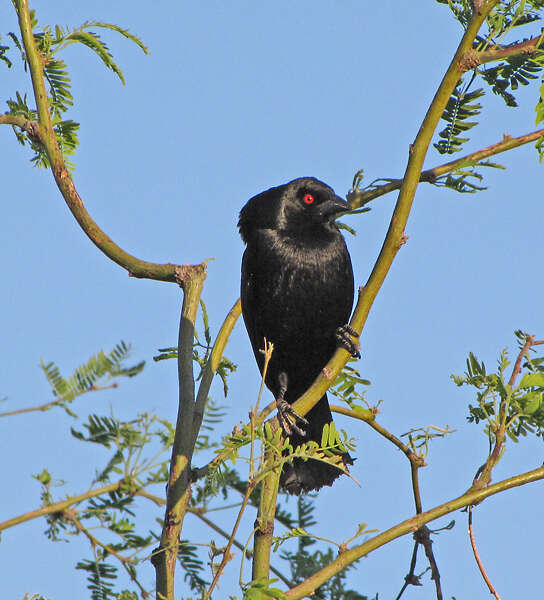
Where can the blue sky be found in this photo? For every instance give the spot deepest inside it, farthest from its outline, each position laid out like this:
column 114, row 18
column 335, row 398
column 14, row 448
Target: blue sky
column 233, row 99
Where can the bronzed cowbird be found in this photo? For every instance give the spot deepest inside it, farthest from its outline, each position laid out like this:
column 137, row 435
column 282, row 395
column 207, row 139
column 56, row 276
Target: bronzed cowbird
column 297, row 292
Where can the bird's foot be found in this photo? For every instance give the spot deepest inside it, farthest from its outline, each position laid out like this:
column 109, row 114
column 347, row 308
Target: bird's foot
column 288, row 418
column 344, row 340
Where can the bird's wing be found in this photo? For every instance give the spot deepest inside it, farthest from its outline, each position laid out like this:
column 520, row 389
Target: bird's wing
column 250, row 302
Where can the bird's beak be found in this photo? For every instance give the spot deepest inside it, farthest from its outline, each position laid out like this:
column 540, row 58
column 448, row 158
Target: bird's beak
column 333, row 208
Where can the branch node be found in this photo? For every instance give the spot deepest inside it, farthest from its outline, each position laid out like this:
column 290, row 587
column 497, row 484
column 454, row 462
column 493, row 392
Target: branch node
column 470, row 60
column 184, row 273
column 327, row 372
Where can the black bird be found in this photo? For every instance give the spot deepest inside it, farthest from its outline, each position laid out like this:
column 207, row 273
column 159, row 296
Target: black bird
column 297, row 292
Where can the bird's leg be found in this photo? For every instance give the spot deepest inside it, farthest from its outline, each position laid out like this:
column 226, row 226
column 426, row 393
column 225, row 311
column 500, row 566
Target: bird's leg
column 285, row 411
column 344, row 340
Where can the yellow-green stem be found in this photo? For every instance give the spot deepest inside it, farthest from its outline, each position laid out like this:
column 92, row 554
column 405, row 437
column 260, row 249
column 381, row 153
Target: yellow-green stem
column 409, row 526
column 395, row 234
column 265, row 523
column 60, row 506
column 179, row 483
column 212, row 365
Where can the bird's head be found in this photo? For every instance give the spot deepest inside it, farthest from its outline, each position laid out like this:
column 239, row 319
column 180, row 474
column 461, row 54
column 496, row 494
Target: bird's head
column 302, row 204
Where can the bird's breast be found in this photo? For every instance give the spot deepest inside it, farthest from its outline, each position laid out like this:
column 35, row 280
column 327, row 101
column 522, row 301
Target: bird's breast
column 304, row 289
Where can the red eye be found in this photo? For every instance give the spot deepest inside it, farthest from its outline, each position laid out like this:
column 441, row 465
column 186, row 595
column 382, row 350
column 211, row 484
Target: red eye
column 308, row 199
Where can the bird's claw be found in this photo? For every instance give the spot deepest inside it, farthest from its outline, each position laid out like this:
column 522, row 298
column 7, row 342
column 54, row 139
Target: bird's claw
column 288, row 419
column 344, row 340
column 287, row 416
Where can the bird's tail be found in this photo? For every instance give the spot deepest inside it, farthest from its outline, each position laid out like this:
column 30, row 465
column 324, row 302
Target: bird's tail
column 307, row 475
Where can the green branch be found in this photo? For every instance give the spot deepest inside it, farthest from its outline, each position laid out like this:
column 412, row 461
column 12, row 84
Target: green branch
column 264, row 533
column 59, row 402
column 264, row 525
column 179, row 482
column 483, row 475
column 369, row 417
column 60, row 506
column 527, row 48
column 358, row 198
column 135, row 267
column 212, row 365
column 31, row 127
column 409, row 526
column 395, row 234
column 227, row 556
column 127, row 563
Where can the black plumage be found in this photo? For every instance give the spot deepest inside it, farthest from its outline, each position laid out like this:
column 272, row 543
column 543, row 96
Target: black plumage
column 297, row 291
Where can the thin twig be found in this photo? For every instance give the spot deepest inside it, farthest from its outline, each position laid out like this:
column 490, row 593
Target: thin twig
column 483, row 474
column 236, row 543
column 411, row 578
column 369, row 417
column 267, row 351
column 58, row 507
column 422, row 536
column 71, row 515
column 527, row 48
column 212, row 365
column 530, row 341
column 59, row 402
column 477, row 556
column 226, row 553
